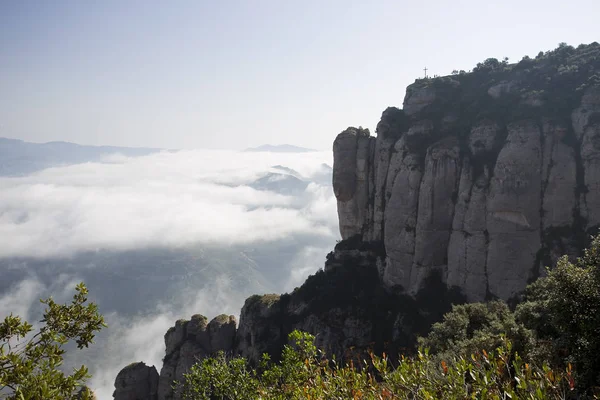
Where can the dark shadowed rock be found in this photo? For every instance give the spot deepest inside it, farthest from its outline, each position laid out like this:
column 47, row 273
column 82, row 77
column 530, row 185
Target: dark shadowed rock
column 190, row 341
column 137, row 381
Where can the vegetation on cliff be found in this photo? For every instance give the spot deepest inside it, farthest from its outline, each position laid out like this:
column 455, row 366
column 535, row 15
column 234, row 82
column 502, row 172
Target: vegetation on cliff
column 558, row 322
column 549, row 85
column 545, row 349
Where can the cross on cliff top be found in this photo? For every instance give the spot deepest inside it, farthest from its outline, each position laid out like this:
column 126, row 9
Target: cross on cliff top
column 425, row 69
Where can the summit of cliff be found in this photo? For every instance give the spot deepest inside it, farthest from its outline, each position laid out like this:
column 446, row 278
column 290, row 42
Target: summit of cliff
column 484, row 177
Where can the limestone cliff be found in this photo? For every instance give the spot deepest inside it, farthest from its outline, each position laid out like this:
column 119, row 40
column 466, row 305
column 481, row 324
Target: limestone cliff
column 137, row 381
column 465, row 193
column 483, row 177
column 186, row 343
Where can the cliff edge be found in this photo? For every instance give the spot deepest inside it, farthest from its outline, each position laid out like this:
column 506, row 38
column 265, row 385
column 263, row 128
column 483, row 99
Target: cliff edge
column 465, row 194
column 484, row 177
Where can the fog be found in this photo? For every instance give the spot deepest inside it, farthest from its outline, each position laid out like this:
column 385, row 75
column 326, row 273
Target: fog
column 161, row 237
column 168, row 199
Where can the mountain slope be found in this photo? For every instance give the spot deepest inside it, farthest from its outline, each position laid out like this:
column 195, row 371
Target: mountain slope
column 19, row 158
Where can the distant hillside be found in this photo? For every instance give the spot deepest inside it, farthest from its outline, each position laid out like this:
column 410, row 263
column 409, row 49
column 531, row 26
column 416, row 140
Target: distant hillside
column 21, row 158
column 280, row 148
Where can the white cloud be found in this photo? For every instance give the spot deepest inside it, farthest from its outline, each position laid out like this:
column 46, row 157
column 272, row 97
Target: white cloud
column 23, row 299
column 306, row 262
column 20, row 299
column 167, row 199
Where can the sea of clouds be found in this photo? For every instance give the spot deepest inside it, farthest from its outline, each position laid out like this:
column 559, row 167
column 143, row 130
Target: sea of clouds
column 167, row 200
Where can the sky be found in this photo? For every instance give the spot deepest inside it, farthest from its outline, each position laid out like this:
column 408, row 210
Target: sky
column 233, row 74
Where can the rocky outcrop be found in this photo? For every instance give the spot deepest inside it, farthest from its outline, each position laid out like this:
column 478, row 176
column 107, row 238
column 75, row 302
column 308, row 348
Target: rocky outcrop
column 344, row 306
column 190, row 341
column 186, row 343
column 463, row 195
column 257, row 334
column 485, row 179
column 351, row 178
column 137, row 381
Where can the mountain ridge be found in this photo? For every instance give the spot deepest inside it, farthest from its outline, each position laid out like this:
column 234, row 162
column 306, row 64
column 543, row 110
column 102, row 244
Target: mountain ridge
column 19, row 158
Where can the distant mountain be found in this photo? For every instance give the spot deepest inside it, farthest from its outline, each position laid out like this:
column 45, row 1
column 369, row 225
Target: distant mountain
column 289, row 182
column 286, row 170
column 280, row 148
column 21, row 158
column 280, row 183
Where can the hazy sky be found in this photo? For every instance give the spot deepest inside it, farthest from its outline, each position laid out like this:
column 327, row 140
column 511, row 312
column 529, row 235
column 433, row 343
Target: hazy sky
column 233, row 74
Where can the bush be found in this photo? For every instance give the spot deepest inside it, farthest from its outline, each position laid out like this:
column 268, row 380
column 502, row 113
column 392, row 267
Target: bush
column 304, row 373
column 29, row 364
column 470, row 328
column 563, row 311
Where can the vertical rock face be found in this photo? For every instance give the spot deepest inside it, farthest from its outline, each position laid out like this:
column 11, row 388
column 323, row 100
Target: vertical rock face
column 255, row 335
column 353, row 158
column 136, row 382
column 435, row 210
column 186, row 343
column 189, row 341
column 513, row 211
column 586, row 123
column 482, row 178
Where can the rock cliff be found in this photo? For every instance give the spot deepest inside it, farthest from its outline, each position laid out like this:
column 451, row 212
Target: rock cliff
column 137, row 381
column 186, row 343
column 465, row 194
column 483, row 177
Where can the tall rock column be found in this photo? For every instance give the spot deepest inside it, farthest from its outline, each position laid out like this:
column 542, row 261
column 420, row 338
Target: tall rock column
column 513, row 211
column 400, row 216
column 436, row 209
column 391, row 127
column 467, row 250
column 352, row 160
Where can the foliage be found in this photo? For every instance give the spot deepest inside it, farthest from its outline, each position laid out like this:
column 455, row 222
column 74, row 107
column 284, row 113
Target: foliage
column 303, row 373
column 30, row 364
column 491, row 65
column 563, row 310
column 469, row 328
column 558, row 323
column 219, row 378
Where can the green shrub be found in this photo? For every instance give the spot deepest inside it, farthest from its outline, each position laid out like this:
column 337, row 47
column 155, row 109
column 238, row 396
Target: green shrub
column 563, row 311
column 303, row 373
column 30, row 363
column 470, row 328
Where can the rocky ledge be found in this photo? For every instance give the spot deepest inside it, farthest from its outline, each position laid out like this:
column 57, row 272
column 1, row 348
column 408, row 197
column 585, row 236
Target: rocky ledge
column 483, row 177
column 464, row 195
